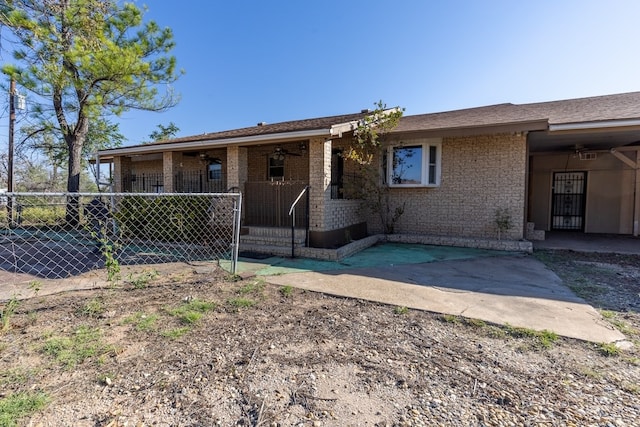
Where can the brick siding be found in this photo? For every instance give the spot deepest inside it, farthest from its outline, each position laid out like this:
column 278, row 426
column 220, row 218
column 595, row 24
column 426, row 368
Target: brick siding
column 479, row 175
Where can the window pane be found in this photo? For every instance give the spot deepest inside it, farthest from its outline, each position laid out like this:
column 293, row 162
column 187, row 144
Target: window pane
column 276, row 168
column 432, row 164
column 407, row 165
column 215, row 171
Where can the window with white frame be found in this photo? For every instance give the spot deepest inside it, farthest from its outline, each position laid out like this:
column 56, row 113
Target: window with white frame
column 414, row 164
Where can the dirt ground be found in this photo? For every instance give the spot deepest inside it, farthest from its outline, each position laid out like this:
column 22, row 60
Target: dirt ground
column 188, row 349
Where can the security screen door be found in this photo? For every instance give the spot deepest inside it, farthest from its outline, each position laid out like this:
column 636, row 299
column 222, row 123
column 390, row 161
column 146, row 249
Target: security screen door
column 568, row 203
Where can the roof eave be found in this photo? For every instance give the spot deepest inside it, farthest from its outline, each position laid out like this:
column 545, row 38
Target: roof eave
column 525, row 126
column 208, row 143
column 594, row 125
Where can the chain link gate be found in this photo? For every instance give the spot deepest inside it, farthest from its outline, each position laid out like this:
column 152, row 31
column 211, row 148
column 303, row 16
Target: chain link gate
column 59, row 235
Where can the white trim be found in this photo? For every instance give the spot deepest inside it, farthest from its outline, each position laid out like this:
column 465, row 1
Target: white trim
column 339, row 129
column 593, row 125
column 426, row 145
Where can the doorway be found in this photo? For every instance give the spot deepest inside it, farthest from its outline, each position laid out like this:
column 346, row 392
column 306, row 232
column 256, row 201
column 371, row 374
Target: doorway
column 568, row 201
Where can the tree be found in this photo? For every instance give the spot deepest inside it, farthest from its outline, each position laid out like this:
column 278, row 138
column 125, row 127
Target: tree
column 367, row 151
column 102, row 134
column 89, row 59
column 164, row 132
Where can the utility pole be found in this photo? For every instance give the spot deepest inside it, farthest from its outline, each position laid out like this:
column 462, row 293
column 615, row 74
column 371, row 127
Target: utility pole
column 12, row 119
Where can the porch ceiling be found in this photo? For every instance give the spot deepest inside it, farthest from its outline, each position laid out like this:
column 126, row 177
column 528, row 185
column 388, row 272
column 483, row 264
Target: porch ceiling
column 598, row 139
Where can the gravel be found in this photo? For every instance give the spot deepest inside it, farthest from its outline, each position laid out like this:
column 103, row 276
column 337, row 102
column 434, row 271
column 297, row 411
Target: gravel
column 307, row 359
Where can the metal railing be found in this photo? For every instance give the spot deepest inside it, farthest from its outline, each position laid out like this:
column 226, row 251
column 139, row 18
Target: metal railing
column 59, row 235
column 292, row 214
column 267, row 203
column 197, row 181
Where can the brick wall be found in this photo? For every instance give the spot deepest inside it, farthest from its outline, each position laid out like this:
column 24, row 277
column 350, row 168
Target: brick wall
column 479, row 175
column 296, row 164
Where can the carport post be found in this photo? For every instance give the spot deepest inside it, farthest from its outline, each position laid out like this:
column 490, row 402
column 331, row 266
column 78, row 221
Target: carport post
column 636, row 210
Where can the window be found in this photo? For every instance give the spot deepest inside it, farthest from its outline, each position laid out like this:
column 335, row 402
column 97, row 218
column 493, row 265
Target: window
column 337, row 172
column 276, row 167
column 414, row 165
column 215, row 170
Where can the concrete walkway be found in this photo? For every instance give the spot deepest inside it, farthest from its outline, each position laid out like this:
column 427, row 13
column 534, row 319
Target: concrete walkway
column 492, row 286
column 516, row 290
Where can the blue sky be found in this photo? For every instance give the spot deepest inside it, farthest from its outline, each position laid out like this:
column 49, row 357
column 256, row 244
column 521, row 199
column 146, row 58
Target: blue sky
column 252, row 61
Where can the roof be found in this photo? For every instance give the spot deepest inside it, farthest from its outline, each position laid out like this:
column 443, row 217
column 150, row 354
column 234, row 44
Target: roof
column 620, row 109
column 490, row 116
column 625, row 106
column 270, row 129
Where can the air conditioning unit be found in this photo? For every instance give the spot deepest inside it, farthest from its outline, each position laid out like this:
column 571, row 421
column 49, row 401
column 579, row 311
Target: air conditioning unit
column 588, row 155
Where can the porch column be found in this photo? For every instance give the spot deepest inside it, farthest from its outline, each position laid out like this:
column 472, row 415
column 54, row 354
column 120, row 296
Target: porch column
column 237, row 166
column 121, row 165
column 319, row 181
column 636, row 187
column 170, row 162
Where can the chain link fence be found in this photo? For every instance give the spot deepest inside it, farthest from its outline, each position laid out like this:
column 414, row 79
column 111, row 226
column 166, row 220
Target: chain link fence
column 59, row 235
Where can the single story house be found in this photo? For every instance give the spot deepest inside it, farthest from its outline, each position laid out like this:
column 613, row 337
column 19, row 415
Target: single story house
column 560, row 165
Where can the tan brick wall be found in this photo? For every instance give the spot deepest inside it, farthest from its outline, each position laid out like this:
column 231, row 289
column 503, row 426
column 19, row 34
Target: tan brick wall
column 479, row 175
column 296, row 164
column 341, row 213
column 235, row 163
column 319, row 180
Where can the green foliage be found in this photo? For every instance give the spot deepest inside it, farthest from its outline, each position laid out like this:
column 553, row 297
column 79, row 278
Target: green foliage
column 164, row 132
column 83, row 344
column 286, row 291
column 7, row 312
column 91, row 59
column 142, row 321
column 476, row 322
column 255, row 286
column 35, row 286
column 609, row 349
column 241, row 302
column 503, row 221
column 370, row 133
column 612, row 317
column 19, row 405
column 175, row 333
column 42, row 215
column 451, row 318
column 93, row 308
column 15, row 376
column 367, row 152
column 141, row 280
column 192, row 311
column 544, row 338
column 166, row 218
column 400, row 310
column 108, row 251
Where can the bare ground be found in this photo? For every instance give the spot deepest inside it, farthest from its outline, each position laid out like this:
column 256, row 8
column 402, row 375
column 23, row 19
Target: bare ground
column 256, row 354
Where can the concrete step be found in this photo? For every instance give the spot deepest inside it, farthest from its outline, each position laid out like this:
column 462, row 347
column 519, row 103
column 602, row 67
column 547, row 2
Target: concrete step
column 271, row 240
column 266, row 249
column 532, row 233
column 271, row 231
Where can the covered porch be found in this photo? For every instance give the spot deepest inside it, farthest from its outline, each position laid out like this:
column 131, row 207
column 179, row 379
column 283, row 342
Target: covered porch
column 585, row 179
column 271, row 176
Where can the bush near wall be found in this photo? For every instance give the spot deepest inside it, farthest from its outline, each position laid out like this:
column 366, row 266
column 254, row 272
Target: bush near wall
column 166, row 219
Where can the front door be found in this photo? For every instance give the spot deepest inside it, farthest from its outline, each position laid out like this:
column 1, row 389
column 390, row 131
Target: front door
column 568, row 203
